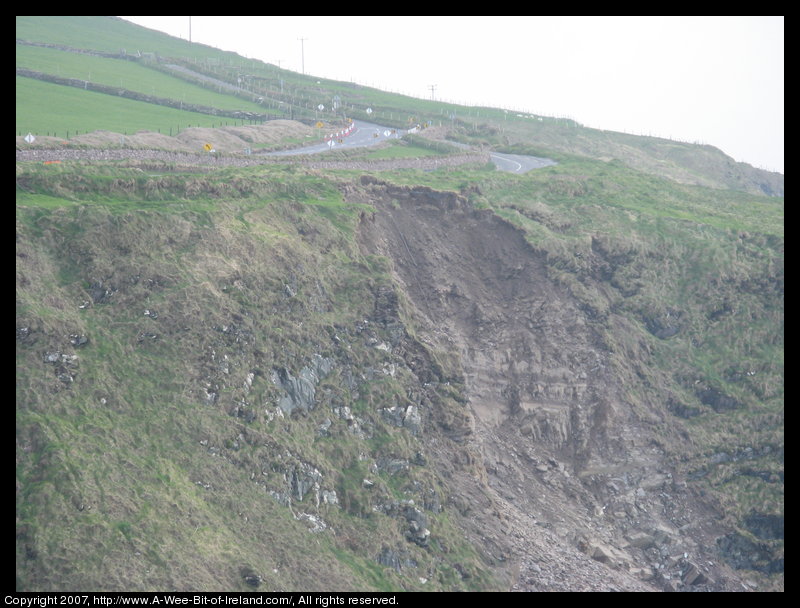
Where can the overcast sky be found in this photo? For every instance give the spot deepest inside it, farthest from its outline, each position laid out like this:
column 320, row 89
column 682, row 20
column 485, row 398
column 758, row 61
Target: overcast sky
column 712, row 80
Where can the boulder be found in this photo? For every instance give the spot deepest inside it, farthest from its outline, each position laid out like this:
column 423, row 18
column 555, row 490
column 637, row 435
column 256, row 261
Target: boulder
column 606, row 554
column 641, row 540
column 301, row 389
column 693, row 576
column 250, row 576
column 417, row 532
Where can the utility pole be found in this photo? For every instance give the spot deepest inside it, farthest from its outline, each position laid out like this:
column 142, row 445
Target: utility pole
column 303, row 53
column 190, row 29
column 432, row 88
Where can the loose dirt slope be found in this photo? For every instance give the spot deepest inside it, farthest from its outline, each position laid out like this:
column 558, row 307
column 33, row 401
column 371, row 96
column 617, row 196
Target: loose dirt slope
column 571, row 472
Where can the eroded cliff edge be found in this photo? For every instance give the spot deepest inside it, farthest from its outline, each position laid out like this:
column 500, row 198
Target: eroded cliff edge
column 578, row 473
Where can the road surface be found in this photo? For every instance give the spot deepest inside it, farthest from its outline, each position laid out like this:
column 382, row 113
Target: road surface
column 517, row 163
column 370, row 134
column 513, row 163
column 364, row 134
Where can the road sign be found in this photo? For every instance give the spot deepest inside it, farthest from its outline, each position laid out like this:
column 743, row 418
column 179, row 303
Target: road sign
column 320, row 107
column 208, row 147
column 30, row 138
column 319, row 125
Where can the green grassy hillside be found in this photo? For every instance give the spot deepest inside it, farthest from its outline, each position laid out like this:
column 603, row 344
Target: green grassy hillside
column 219, row 386
column 159, row 441
column 57, row 111
column 283, row 93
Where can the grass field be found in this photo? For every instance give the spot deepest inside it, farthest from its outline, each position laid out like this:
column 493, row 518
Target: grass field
column 50, row 109
column 126, row 75
column 109, row 35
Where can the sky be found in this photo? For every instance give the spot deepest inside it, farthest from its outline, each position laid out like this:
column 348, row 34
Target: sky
column 710, row 80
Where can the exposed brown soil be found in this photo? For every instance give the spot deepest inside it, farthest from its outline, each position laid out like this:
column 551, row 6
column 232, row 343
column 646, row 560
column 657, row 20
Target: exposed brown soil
column 571, row 488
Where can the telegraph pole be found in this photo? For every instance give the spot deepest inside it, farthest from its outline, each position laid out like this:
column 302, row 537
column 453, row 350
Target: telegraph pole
column 303, row 53
column 190, row 29
column 432, row 88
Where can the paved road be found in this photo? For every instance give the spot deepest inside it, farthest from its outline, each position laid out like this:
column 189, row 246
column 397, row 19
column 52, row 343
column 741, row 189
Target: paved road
column 364, row 134
column 513, row 163
column 517, row 163
column 369, row 134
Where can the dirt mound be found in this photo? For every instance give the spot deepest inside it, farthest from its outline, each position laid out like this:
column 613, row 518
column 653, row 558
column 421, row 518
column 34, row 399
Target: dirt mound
column 237, row 139
column 273, row 132
column 140, row 140
column 42, row 141
column 199, row 138
column 194, row 139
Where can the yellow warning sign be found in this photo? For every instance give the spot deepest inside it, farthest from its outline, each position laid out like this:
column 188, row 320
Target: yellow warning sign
column 319, row 125
column 208, row 147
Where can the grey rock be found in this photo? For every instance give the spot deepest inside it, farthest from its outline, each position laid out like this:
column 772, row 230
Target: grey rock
column 693, row 576
column 405, row 417
column 323, row 428
column 250, row 576
column 329, row 497
column 78, row 340
column 641, row 540
column 282, row 498
column 417, row 532
column 412, row 419
column 98, row 292
column 719, row 402
column 393, row 415
column 393, row 466
column 304, row 479
column 52, row 357
column 314, row 522
column 301, row 389
column 397, row 559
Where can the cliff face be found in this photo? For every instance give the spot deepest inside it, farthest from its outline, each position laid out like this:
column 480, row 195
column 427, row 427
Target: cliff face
column 575, row 469
column 235, row 373
column 289, row 383
column 226, row 397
